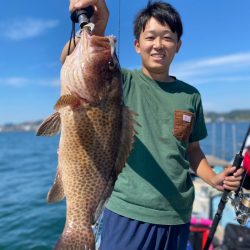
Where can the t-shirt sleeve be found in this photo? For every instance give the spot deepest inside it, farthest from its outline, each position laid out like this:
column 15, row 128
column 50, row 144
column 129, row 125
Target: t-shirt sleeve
column 199, row 131
column 126, row 80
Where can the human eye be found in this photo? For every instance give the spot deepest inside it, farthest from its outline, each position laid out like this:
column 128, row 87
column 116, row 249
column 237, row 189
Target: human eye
column 149, row 38
column 168, row 38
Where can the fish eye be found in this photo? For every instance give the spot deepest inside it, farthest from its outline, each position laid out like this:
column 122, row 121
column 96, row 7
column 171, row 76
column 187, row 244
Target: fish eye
column 111, row 65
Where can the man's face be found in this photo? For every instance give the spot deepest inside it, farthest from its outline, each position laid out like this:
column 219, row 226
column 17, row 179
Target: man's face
column 157, row 45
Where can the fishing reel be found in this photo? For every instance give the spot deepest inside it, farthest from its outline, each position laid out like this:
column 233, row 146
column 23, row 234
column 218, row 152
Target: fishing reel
column 241, row 204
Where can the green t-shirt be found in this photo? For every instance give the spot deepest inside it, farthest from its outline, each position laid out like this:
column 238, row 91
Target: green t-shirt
column 155, row 185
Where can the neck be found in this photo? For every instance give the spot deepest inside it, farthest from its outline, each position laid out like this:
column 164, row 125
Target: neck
column 158, row 76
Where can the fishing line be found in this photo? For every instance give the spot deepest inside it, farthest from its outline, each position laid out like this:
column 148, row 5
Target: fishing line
column 72, row 36
column 119, row 28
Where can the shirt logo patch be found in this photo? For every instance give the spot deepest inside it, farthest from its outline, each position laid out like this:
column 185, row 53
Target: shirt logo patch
column 187, row 118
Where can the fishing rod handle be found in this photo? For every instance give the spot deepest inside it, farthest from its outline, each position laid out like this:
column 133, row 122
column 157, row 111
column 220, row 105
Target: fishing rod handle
column 237, row 161
column 82, row 16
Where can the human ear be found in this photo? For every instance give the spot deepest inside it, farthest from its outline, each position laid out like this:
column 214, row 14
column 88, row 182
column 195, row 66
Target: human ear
column 137, row 46
column 178, row 46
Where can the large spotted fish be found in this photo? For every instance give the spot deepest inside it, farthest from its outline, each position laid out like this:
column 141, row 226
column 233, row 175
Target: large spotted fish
column 96, row 136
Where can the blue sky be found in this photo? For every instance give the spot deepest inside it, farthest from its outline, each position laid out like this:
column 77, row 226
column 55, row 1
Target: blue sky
column 215, row 54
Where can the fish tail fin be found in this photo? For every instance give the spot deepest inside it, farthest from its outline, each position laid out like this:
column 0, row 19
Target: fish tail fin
column 76, row 240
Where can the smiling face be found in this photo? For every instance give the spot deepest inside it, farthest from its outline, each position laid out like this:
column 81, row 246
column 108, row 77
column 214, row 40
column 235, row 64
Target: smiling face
column 157, row 45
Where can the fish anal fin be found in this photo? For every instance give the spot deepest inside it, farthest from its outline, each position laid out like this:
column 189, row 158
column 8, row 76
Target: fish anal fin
column 67, row 100
column 56, row 193
column 127, row 138
column 50, row 126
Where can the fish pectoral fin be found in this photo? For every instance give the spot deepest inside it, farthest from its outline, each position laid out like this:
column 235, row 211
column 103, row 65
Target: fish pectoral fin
column 56, row 193
column 67, row 100
column 127, row 138
column 50, row 126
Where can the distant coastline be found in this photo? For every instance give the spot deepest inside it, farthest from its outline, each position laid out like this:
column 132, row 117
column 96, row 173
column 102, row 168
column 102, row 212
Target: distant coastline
column 232, row 116
column 24, row 126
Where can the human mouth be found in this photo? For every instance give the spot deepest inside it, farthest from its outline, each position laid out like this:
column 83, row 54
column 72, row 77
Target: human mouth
column 158, row 55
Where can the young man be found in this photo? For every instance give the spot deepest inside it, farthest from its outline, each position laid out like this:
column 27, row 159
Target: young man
column 151, row 204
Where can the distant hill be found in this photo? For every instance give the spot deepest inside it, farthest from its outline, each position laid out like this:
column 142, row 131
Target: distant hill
column 234, row 115
column 24, row 126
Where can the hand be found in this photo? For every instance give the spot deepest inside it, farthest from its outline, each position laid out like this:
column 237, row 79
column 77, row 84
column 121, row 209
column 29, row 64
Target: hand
column 100, row 16
column 80, row 4
column 224, row 180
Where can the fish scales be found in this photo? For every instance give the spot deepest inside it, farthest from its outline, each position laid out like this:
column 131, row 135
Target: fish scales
column 96, row 136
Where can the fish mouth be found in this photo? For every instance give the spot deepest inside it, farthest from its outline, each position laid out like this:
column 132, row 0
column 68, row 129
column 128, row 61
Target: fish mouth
column 96, row 44
column 97, row 55
column 85, row 39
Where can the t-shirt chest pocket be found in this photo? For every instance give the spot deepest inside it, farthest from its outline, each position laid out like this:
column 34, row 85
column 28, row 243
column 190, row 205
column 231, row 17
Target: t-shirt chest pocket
column 183, row 124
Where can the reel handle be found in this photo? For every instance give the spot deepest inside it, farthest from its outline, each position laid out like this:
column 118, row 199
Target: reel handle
column 82, row 16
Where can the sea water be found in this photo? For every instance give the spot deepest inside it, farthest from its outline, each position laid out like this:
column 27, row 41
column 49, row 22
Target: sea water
column 27, row 169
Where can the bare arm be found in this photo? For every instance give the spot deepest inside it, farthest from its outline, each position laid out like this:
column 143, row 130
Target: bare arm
column 200, row 166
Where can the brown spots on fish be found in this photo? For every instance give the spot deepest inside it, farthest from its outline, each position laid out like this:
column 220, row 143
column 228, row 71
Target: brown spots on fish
column 96, row 137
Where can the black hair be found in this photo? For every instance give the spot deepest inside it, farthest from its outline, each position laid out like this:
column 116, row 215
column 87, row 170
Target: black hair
column 163, row 13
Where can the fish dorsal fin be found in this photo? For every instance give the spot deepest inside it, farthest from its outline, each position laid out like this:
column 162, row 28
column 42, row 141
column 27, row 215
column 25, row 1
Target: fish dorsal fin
column 50, row 126
column 127, row 138
column 67, row 100
column 56, row 193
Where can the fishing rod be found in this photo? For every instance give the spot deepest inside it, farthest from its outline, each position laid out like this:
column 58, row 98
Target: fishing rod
column 240, row 202
column 82, row 16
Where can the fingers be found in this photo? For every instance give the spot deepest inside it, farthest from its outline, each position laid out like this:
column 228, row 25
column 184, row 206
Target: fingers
column 231, row 170
column 80, row 4
column 232, row 178
column 239, row 172
column 232, row 184
column 220, row 188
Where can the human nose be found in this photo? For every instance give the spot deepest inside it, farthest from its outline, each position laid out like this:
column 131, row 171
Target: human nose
column 158, row 43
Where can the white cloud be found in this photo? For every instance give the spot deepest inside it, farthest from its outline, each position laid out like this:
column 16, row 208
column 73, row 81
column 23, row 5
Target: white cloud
column 228, row 68
column 218, row 61
column 16, row 81
column 26, row 28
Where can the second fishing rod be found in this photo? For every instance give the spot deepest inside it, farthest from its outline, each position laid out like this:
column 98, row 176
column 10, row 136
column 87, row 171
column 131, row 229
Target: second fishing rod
column 241, row 201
